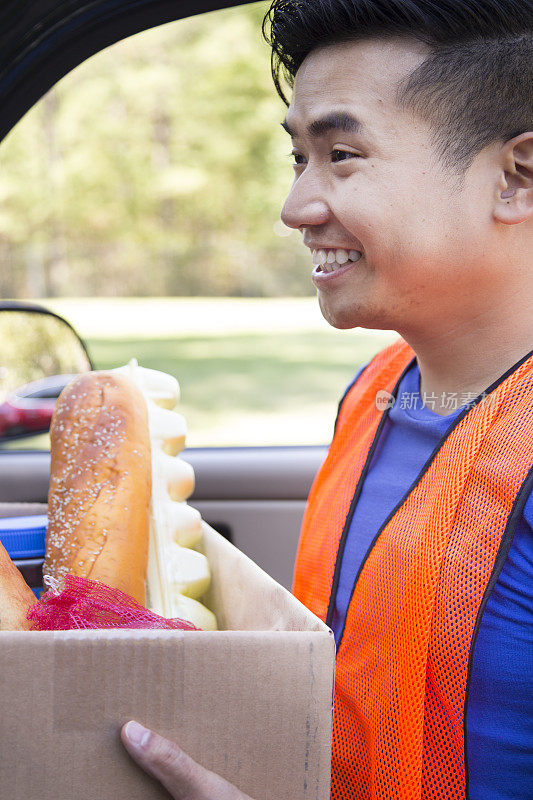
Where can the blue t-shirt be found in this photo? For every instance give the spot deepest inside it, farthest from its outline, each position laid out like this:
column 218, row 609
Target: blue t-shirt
column 499, row 713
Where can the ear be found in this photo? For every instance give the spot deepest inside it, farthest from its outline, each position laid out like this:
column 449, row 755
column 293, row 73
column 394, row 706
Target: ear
column 514, row 201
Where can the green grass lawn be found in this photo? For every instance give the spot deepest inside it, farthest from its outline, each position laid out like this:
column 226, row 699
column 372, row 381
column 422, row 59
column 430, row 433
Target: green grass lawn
column 254, row 389
column 251, row 371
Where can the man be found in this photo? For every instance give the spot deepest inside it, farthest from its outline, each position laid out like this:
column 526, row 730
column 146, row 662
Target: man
column 412, row 128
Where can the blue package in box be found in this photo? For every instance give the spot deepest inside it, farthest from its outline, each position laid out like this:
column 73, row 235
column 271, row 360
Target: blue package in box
column 23, row 537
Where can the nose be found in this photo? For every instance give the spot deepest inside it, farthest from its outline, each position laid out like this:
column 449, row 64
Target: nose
column 305, row 205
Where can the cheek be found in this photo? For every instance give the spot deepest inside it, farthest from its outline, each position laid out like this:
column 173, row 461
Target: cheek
column 425, row 231
column 379, row 211
column 402, row 217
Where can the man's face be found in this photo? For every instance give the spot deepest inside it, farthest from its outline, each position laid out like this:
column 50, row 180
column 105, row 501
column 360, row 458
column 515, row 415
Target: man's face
column 427, row 243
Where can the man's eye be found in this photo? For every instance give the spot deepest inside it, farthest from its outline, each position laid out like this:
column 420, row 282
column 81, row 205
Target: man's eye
column 336, row 156
column 298, row 159
column 342, row 155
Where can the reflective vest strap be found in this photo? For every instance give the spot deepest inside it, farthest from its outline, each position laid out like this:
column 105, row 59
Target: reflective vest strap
column 335, row 484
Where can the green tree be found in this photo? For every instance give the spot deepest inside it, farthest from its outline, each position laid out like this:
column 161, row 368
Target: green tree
column 156, row 167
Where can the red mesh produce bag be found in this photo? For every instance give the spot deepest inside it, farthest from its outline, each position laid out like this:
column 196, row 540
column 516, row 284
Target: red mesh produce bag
column 88, row 604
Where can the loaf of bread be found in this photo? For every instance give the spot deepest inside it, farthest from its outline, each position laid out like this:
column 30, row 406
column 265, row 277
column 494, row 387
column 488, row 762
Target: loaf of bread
column 16, row 597
column 100, row 484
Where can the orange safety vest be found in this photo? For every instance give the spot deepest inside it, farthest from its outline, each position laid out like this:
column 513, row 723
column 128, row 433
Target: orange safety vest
column 403, row 661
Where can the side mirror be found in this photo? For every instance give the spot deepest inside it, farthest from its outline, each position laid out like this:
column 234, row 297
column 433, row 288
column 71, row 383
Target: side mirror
column 40, row 352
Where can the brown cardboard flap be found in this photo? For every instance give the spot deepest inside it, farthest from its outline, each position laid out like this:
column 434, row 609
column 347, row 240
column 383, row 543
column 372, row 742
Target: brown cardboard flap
column 245, row 598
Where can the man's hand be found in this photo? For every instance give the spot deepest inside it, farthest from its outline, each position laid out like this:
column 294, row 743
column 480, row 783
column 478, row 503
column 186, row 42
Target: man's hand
column 174, row 769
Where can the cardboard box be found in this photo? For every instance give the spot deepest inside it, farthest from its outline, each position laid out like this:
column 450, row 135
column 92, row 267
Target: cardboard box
column 252, row 701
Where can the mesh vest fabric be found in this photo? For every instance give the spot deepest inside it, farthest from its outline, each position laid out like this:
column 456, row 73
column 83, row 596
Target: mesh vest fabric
column 402, row 664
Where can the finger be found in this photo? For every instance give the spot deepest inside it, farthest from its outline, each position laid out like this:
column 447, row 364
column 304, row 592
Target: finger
column 173, row 768
column 163, row 760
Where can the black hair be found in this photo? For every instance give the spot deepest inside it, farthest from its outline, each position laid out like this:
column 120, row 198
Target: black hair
column 474, row 88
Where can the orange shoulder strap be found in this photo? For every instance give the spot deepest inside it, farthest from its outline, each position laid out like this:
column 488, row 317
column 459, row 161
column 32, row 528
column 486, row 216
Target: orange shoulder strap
column 333, row 490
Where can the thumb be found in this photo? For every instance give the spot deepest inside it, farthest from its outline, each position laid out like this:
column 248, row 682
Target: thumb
column 173, row 768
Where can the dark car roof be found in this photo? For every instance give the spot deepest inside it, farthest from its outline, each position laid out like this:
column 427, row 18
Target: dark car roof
column 43, row 40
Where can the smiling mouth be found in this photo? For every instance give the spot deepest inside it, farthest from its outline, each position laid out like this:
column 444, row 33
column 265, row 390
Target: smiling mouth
column 332, row 260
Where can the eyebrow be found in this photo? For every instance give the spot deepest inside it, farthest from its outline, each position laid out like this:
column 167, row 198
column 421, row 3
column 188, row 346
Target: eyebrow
column 334, row 121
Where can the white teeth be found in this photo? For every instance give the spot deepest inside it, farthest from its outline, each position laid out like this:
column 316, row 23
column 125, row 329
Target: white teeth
column 330, row 260
column 341, row 257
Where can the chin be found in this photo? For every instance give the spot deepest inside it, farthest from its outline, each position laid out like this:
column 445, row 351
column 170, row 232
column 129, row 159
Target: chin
column 342, row 325
column 345, row 318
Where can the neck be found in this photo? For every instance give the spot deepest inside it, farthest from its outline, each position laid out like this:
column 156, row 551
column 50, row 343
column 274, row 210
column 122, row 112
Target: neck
column 466, row 359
